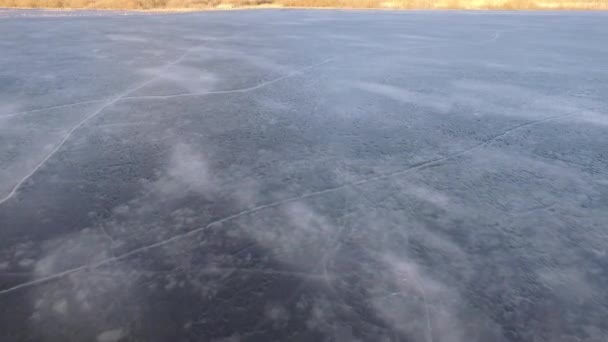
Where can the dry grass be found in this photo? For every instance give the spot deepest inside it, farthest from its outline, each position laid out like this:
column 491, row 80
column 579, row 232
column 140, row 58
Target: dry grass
column 397, row 4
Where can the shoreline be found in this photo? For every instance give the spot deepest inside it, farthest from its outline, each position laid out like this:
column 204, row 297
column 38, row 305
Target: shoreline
column 162, row 10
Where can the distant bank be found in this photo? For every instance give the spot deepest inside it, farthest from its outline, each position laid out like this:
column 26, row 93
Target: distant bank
column 378, row 4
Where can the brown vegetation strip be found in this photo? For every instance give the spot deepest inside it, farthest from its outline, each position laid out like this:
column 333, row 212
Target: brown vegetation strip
column 386, row 4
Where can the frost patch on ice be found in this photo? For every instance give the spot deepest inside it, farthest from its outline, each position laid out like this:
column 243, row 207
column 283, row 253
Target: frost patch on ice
column 110, row 335
column 67, row 252
column 594, row 117
column 277, row 314
column 231, row 338
column 8, row 108
column 129, row 38
column 188, row 170
column 569, row 284
column 404, row 95
column 61, row 307
column 428, row 195
column 27, row 262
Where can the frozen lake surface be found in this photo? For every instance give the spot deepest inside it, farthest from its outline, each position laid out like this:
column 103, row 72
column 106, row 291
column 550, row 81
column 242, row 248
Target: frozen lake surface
column 291, row 175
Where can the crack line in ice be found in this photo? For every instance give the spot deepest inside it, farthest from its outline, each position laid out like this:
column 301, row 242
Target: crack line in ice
column 239, row 90
column 493, row 39
column 263, row 84
column 69, row 134
column 125, row 96
column 52, row 107
column 416, row 167
column 490, row 40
